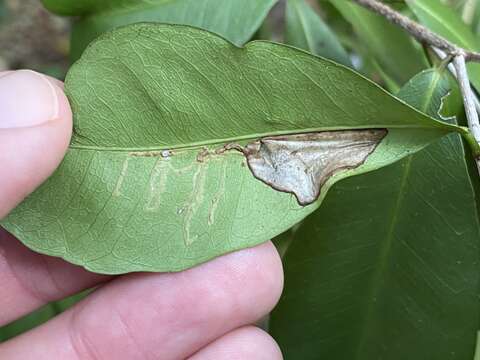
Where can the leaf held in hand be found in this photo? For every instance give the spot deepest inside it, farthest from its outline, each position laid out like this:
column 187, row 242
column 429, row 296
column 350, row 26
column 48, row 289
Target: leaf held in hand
column 144, row 186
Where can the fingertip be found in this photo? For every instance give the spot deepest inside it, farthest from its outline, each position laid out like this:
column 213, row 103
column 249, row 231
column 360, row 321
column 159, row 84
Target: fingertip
column 244, row 343
column 260, row 266
column 35, row 130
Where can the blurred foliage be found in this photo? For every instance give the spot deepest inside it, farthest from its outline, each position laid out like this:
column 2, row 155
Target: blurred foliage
column 3, row 10
column 307, row 30
column 33, row 38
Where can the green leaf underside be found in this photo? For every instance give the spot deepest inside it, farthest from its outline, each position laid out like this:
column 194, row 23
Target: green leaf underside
column 389, row 263
column 235, row 20
column 117, row 205
column 389, row 45
column 444, row 21
column 306, row 30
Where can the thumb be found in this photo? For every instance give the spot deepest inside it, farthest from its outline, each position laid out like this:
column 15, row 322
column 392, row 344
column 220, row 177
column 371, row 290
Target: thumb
column 35, row 130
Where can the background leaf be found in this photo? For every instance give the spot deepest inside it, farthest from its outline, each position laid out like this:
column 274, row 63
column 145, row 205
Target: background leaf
column 306, row 30
column 235, row 20
column 392, row 48
column 144, row 187
column 38, row 317
column 388, row 267
column 3, row 11
column 444, row 21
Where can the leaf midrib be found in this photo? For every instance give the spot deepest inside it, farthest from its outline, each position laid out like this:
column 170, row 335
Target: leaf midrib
column 384, row 255
column 245, row 138
column 386, row 249
column 435, row 80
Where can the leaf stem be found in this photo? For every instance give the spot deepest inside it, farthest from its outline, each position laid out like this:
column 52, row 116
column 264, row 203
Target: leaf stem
column 473, row 137
column 468, row 97
column 441, row 54
column 419, row 32
column 473, row 144
column 460, row 57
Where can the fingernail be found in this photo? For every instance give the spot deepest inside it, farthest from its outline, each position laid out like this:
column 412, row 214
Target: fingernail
column 27, row 99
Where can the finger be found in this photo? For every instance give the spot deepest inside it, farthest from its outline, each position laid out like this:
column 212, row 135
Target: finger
column 35, row 129
column 29, row 280
column 57, row 82
column 245, row 343
column 160, row 316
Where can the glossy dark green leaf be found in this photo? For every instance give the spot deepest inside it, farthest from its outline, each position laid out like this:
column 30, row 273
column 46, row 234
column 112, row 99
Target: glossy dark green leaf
column 388, row 267
column 391, row 47
column 153, row 179
column 446, row 22
column 306, row 30
column 235, row 20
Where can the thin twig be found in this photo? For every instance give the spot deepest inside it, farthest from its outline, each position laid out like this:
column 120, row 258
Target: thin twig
column 460, row 56
column 468, row 99
column 441, row 54
column 419, row 32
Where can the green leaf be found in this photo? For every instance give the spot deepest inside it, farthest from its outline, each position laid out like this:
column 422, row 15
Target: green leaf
column 153, row 180
column 388, row 267
column 3, row 10
column 392, row 48
column 39, row 317
column 235, row 20
column 306, row 30
column 442, row 20
column 27, row 323
column 82, row 7
column 476, row 21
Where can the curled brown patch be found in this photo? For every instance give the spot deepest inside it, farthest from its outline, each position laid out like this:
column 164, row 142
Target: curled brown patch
column 301, row 164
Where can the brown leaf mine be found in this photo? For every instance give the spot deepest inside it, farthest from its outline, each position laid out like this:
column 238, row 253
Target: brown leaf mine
column 301, row 164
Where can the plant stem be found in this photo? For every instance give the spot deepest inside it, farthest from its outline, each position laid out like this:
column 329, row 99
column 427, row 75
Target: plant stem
column 452, row 70
column 474, row 146
column 419, row 32
column 468, row 101
column 460, row 57
column 467, row 94
column 466, row 133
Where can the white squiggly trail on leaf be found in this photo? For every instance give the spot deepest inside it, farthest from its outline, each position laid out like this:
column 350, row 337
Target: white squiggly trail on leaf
column 158, row 184
column 194, row 201
column 218, row 196
column 121, row 178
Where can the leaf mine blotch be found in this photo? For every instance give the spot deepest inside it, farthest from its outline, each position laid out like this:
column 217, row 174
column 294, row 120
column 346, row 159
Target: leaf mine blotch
column 301, row 164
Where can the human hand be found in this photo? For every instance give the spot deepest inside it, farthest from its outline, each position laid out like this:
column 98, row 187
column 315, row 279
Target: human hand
column 202, row 313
